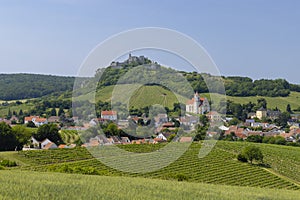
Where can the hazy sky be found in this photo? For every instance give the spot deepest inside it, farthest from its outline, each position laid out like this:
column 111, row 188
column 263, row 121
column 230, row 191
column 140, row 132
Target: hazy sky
column 255, row 38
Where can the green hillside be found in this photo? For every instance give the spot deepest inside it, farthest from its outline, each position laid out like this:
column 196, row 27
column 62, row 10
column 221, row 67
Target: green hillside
column 141, row 97
column 272, row 102
column 149, row 95
column 33, row 185
column 219, row 167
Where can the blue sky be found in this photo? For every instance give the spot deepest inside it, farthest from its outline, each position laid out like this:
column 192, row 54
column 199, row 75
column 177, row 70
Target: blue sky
column 255, row 38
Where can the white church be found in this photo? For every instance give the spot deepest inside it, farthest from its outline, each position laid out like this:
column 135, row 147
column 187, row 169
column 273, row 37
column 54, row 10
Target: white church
column 197, row 105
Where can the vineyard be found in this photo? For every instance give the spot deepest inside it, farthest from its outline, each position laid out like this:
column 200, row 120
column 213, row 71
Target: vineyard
column 69, row 136
column 219, row 167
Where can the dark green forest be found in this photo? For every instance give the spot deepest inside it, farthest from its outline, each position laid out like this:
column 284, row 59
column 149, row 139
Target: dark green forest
column 24, row 86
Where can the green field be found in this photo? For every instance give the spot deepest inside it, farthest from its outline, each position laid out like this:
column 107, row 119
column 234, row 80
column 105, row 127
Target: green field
column 272, row 102
column 141, row 96
column 149, row 95
column 219, row 167
column 32, row 185
column 69, row 136
column 25, row 107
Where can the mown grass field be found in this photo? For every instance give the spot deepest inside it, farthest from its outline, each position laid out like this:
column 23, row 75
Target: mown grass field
column 33, row 185
column 219, row 167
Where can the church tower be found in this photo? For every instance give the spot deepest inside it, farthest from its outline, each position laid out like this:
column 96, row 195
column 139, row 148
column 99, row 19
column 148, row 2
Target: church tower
column 196, row 103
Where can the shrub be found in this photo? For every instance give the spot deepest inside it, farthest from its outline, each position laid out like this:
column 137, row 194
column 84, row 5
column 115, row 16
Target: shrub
column 8, row 163
column 181, row 177
column 242, row 158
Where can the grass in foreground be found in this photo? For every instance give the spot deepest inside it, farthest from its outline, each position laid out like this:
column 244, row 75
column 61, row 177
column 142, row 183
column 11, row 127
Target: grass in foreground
column 32, row 185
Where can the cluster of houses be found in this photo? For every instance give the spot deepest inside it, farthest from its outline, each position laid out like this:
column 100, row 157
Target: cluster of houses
column 46, row 144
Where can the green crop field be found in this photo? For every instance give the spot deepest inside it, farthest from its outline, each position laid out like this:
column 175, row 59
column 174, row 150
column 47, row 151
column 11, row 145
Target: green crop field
column 69, row 136
column 219, row 167
column 32, row 185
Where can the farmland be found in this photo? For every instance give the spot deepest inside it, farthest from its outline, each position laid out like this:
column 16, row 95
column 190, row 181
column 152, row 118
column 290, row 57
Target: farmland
column 219, row 167
column 32, row 185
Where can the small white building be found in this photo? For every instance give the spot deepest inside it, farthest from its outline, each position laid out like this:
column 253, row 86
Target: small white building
column 109, row 115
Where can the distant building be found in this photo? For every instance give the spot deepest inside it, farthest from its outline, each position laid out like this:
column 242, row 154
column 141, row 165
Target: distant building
column 198, row 105
column 38, row 121
column 261, row 113
column 109, row 115
column 214, row 116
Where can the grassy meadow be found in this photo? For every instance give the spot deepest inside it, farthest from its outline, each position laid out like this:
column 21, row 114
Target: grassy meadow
column 33, row 185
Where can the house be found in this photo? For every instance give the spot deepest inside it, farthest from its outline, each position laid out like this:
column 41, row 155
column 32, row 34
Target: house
column 239, row 132
column 109, row 115
column 35, row 144
column 50, row 145
column 189, row 120
column 273, row 114
column 162, row 137
column 214, row 116
column 186, row 139
column 53, row 119
column 14, row 119
column 123, row 124
column 47, row 144
column 38, row 121
column 125, row 140
column 261, row 113
column 251, row 115
column 160, row 118
column 197, row 105
column 5, row 121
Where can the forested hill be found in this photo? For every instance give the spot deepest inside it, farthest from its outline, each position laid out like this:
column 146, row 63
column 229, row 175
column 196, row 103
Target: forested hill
column 24, row 86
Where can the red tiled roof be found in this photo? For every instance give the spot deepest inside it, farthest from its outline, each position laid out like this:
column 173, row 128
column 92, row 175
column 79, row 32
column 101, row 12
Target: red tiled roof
column 40, row 119
column 186, row 139
column 108, row 112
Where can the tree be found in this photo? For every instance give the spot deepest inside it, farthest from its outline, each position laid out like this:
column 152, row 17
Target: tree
column 283, row 119
column 253, row 153
column 22, row 135
column 53, row 112
column 61, row 111
column 112, row 129
column 30, row 124
column 49, row 131
column 255, row 138
column 21, row 112
column 203, row 120
column 8, row 140
column 288, row 108
column 9, row 114
column 261, row 102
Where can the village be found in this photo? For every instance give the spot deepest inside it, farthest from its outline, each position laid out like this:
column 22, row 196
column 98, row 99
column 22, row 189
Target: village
column 166, row 129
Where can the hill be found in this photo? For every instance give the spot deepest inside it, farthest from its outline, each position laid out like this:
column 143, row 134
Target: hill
column 219, row 167
column 35, row 185
column 149, row 95
column 24, row 86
